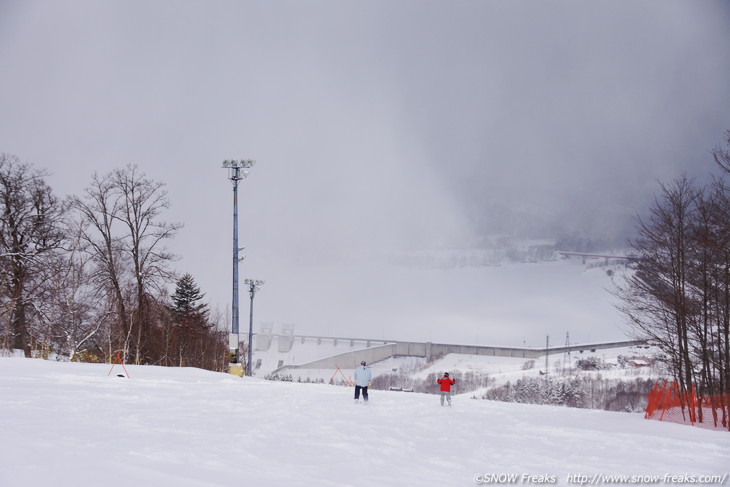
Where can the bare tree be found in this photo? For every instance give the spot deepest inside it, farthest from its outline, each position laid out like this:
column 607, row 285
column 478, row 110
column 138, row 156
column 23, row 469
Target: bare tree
column 712, row 277
column 655, row 297
column 721, row 213
column 121, row 214
column 722, row 155
column 99, row 208
column 142, row 203
column 72, row 302
column 29, row 232
column 678, row 295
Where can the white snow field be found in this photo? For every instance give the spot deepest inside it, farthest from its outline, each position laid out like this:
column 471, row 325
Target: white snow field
column 69, row 424
column 499, row 369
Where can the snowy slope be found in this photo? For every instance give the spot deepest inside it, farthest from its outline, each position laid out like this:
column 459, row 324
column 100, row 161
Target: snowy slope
column 499, row 369
column 67, row 424
column 504, row 369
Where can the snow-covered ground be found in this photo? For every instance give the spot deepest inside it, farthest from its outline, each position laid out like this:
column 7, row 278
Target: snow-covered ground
column 499, row 369
column 68, row 424
column 504, row 369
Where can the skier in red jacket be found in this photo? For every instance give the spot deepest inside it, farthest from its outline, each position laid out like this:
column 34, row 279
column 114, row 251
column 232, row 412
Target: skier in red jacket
column 446, row 384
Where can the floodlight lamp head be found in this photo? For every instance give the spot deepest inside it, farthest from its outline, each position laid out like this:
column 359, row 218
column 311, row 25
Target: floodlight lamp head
column 239, row 164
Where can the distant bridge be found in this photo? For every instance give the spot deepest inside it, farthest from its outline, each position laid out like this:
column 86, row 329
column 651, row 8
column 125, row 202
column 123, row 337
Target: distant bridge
column 585, row 256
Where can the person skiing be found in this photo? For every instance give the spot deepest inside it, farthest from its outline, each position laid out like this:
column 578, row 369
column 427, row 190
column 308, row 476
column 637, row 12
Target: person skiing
column 446, row 382
column 363, row 375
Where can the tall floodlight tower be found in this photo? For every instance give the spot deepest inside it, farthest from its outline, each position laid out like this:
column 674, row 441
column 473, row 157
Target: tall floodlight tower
column 237, row 170
column 253, row 286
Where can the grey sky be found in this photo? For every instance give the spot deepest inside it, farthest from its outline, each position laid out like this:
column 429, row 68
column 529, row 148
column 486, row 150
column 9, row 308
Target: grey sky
column 377, row 125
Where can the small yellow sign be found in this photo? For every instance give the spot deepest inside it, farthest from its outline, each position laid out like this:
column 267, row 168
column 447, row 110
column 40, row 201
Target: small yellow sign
column 236, row 369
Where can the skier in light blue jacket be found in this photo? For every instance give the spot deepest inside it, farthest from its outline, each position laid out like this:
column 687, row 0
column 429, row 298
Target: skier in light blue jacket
column 363, row 375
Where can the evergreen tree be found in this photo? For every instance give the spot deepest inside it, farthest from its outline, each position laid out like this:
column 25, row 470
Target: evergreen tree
column 185, row 300
column 190, row 337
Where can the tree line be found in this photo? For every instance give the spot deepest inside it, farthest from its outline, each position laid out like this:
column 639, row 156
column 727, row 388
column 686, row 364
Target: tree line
column 87, row 276
column 678, row 293
column 589, row 392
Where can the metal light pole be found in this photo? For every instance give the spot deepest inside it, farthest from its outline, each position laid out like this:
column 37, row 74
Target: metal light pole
column 253, row 286
column 237, row 170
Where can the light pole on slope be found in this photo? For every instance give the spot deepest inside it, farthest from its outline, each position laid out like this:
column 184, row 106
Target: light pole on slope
column 253, row 286
column 237, row 170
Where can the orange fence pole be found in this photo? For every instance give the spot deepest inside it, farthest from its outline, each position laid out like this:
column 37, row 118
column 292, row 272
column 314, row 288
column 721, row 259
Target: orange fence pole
column 348, row 381
column 667, row 399
column 118, row 360
column 652, row 401
column 337, row 369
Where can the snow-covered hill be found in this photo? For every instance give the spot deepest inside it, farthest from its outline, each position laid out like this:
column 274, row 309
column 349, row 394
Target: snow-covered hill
column 500, row 370
column 68, row 424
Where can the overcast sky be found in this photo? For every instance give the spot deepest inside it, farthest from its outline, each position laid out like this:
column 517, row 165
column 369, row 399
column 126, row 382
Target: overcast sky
column 376, row 125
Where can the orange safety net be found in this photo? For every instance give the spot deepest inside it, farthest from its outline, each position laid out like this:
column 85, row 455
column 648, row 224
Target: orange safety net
column 667, row 403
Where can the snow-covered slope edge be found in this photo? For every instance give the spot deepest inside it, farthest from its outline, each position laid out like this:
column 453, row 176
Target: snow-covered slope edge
column 69, row 424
